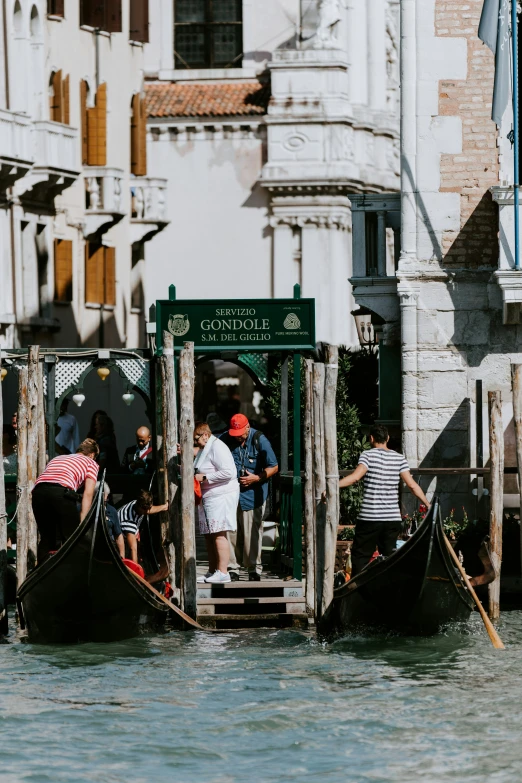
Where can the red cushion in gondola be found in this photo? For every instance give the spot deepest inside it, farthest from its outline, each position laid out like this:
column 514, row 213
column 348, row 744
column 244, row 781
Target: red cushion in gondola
column 134, row 567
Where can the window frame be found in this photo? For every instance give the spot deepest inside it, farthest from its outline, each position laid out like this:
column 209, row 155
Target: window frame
column 56, row 8
column 105, row 15
column 208, row 25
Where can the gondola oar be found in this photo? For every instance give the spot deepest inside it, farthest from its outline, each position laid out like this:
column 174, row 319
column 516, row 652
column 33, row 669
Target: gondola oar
column 493, row 635
column 172, row 606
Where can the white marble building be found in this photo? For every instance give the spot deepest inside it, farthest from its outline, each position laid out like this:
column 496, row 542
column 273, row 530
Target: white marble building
column 264, row 120
column 452, row 311
column 77, row 201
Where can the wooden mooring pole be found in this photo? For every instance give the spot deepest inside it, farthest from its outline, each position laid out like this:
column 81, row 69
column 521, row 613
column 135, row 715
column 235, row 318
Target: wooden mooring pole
column 42, row 441
column 186, row 429
column 3, row 536
column 33, row 431
column 167, row 435
column 319, row 481
column 309, row 500
column 23, row 497
column 516, row 381
column 332, row 473
column 496, row 455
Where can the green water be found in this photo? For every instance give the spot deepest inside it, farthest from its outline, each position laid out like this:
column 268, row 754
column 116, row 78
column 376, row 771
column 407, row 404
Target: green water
column 265, row 706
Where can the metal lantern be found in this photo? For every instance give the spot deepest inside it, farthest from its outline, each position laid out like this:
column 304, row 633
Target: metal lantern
column 365, row 328
column 79, row 398
column 103, row 372
column 128, row 397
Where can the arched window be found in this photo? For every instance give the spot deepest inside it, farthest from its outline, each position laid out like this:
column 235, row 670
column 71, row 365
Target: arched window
column 18, row 18
column 35, row 24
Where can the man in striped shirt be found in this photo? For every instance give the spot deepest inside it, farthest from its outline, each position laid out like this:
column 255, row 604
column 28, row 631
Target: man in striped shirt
column 379, row 521
column 54, row 496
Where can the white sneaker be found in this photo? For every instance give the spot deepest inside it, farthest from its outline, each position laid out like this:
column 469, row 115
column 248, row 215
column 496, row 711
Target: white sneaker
column 202, row 579
column 218, row 578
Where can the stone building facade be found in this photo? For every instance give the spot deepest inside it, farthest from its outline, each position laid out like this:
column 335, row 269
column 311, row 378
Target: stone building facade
column 453, row 304
column 77, row 199
column 264, row 124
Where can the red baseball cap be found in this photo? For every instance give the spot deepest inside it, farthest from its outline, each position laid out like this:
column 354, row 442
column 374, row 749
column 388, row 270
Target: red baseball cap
column 238, row 424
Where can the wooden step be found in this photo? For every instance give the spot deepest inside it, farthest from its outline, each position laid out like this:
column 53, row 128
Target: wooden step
column 247, row 605
column 269, row 620
column 266, row 588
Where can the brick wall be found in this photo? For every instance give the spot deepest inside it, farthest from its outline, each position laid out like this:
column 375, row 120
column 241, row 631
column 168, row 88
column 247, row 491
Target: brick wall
column 475, row 169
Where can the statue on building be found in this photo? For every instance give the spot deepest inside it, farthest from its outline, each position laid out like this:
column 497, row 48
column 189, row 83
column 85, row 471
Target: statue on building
column 392, row 62
column 330, row 17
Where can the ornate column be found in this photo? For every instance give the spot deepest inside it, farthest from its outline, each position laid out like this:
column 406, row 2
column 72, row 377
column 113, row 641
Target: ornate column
column 408, row 134
column 408, row 297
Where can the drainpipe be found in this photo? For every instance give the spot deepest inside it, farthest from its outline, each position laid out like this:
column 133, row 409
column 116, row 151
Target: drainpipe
column 516, row 166
column 406, row 289
column 6, row 56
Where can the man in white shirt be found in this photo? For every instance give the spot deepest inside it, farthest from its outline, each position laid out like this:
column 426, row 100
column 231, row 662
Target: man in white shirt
column 68, row 437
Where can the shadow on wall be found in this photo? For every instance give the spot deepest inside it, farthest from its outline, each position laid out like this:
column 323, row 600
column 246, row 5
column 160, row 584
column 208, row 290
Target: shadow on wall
column 449, row 449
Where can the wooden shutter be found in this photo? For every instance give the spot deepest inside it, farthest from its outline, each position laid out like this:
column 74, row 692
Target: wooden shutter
column 66, row 110
column 110, row 276
column 63, row 270
column 139, row 136
column 84, row 122
column 139, row 21
column 56, row 99
column 97, row 129
column 92, row 13
column 56, row 7
column 94, row 273
column 143, row 138
column 113, row 23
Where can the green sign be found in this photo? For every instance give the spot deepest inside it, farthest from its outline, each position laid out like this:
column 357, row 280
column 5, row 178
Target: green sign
column 238, row 325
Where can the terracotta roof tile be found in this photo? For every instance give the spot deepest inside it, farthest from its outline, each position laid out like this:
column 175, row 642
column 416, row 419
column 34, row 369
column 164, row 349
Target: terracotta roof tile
column 194, row 99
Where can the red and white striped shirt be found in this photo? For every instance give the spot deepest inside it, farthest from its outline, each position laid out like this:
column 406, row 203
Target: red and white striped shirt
column 69, row 470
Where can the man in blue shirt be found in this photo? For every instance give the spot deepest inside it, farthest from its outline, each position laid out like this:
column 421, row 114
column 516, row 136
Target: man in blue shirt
column 256, row 463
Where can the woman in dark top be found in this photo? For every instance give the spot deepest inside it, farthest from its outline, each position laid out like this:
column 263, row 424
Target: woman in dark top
column 103, row 432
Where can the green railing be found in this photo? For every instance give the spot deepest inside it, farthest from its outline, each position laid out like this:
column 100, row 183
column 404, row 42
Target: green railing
column 291, row 524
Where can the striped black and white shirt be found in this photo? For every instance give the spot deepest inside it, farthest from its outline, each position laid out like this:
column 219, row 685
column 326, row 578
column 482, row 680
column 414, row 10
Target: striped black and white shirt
column 381, row 485
column 130, row 520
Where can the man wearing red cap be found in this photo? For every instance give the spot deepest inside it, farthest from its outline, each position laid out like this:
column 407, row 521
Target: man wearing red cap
column 256, row 463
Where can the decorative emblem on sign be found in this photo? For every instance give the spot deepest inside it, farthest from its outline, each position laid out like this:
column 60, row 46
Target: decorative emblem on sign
column 178, row 325
column 292, row 321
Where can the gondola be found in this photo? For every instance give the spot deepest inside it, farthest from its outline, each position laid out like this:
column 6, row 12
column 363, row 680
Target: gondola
column 85, row 593
column 416, row 590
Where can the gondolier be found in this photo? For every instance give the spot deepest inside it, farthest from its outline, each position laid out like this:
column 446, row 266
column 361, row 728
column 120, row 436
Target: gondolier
column 379, row 520
column 55, row 497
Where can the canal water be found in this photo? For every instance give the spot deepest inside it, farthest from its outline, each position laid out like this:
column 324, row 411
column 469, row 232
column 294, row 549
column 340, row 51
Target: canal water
column 265, row 706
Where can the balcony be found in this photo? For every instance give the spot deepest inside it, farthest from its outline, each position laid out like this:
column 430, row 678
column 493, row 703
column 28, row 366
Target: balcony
column 149, row 207
column 103, row 199
column 16, row 154
column 376, row 223
column 507, row 277
column 55, row 150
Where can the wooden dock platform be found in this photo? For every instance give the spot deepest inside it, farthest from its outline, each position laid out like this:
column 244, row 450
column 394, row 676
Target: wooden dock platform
column 272, row 602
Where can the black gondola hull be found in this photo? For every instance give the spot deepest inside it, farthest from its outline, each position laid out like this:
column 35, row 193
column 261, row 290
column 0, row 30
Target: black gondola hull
column 85, row 593
column 416, row 590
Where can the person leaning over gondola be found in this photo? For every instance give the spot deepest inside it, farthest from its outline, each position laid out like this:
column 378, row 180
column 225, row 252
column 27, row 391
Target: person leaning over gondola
column 54, row 496
column 132, row 514
column 379, row 520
